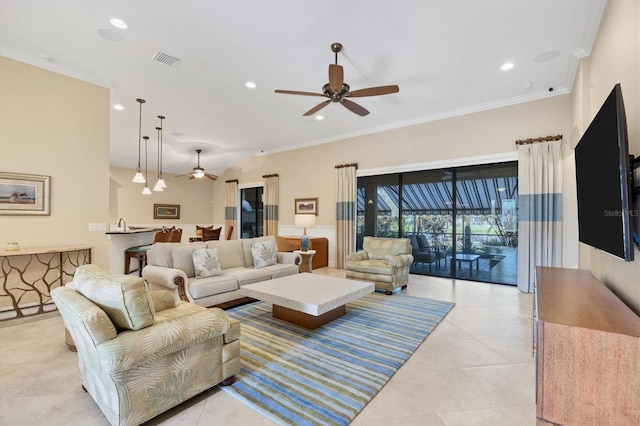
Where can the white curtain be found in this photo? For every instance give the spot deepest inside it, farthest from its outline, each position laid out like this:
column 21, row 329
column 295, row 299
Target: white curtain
column 345, row 212
column 230, row 208
column 271, row 201
column 539, row 209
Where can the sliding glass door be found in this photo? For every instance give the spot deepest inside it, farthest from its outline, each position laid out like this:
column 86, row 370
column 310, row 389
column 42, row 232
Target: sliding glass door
column 462, row 222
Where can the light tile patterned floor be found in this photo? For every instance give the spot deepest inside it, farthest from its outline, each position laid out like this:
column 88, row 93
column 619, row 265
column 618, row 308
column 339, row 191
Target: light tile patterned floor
column 475, row 369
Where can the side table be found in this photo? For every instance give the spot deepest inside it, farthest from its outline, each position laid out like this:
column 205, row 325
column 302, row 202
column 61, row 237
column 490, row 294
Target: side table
column 307, row 256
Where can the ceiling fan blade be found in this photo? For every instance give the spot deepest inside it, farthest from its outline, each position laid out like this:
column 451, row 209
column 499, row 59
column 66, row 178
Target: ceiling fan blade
column 210, row 176
column 295, row 92
column 186, row 174
column 317, row 108
column 354, row 107
column 373, row 91
column 336, row 77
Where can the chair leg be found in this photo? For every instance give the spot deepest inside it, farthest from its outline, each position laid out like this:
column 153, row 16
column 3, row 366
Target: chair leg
column 229, row 381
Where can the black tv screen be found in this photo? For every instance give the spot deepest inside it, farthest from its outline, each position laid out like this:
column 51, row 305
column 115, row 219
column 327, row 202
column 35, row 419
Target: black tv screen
column 603, row 181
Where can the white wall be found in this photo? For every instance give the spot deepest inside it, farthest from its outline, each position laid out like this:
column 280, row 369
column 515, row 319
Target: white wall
column 479, row 137
column 615, row 59
column 57, row 126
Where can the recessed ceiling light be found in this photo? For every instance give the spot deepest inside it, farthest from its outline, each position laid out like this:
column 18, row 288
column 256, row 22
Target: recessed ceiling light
column 506, row 66
column 250, row 85
column 118, row 23
column 118, row 107
column 319, row 117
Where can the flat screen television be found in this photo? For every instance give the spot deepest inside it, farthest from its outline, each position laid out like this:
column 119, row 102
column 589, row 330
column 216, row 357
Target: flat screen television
column 604, row 181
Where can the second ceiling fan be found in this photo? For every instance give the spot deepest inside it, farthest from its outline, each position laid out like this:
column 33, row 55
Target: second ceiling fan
column 198, row 172
column 338, row 91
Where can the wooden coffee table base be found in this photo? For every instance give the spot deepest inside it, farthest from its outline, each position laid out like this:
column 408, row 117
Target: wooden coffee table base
column 305, row 320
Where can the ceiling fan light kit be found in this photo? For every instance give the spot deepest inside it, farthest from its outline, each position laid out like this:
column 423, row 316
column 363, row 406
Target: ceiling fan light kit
column 336, row 90
column 198, row 172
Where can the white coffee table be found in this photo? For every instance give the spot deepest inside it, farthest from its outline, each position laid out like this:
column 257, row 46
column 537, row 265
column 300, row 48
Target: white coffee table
column 308, row 300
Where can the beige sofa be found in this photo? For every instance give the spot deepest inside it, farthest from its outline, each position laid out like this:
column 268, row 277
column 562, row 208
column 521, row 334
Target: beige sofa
column 246, row 261
column 385, row 261
column 139, row 352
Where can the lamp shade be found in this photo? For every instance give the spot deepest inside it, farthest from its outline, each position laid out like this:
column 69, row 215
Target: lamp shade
column 305, row 220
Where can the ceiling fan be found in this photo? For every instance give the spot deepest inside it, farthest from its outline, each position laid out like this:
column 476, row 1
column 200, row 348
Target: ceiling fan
column 338, row 91
column 198, row 172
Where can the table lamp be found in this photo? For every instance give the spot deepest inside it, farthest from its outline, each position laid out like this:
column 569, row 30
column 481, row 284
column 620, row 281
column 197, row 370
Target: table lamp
column 304, row 221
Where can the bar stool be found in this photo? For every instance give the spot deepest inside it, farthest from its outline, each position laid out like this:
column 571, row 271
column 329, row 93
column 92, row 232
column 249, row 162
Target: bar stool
column 140, row 252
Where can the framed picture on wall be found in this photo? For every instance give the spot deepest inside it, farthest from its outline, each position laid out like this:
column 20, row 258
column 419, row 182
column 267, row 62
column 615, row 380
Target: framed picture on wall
column 166, row 211
column 306, row 206
column 22, row 194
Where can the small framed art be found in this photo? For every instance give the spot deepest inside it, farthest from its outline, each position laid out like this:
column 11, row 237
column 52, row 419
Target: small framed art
column 306, row 206
column 23, row 194
column 166, row 211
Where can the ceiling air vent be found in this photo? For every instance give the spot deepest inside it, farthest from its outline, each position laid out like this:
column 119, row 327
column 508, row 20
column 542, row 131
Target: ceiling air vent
column 166, row 59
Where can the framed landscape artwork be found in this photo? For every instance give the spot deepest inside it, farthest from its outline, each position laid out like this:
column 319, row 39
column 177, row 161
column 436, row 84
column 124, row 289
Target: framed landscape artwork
column 25, row 195
column 306, row 206
column 166, row 211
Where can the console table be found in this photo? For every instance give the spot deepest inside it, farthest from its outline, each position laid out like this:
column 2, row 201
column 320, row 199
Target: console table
column 319, row 244
column 587, row 348
column 29, row 274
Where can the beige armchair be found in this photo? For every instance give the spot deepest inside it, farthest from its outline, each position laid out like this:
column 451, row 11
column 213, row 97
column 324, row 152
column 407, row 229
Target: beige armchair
column 385, row 261
column 140, row 353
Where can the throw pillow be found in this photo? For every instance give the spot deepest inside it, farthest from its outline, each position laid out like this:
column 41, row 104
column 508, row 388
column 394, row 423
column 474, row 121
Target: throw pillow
column 264, row 254
column 124, row 298
column 206, row 263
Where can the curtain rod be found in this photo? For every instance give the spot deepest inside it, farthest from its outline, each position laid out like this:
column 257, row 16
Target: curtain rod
column 536, row 140
column 270, row 176
column 340, row 166
column 232, row 180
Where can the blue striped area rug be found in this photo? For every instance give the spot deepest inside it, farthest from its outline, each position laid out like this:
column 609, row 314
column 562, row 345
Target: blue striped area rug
column 328, row 375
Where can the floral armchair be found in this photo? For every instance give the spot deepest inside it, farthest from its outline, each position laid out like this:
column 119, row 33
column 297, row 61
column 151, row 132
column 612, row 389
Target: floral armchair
column 385, row 261
column 140, row 353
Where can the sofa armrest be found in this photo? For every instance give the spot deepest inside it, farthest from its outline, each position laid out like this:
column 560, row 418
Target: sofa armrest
column 170, row 278
column 357, row 256
column 287, row 257
column 400, row 260
column 175, row 329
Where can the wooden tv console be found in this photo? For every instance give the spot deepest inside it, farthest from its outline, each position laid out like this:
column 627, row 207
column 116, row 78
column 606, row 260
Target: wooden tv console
column 587, row 346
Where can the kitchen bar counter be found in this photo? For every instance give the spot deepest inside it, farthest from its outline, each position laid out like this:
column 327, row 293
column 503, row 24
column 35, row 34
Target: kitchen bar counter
column 119, row 241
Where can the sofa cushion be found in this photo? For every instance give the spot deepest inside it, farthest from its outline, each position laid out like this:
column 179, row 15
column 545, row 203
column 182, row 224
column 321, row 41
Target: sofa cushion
column 229, row 253
column 204, row 287
column 264, row 253
column 182, row 257
column 373, row 266
column 248, row 275
column 281, row 270
column 162, row 254
column 206, row 263
column 380, row 248
column 124, row 298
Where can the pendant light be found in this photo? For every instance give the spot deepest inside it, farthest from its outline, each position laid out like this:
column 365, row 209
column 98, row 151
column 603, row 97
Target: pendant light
column 138, row 178
column 146, row 190
column 160, row 185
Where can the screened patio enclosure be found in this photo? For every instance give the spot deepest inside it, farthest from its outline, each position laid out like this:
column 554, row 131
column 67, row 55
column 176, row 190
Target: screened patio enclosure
column 462, row 222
